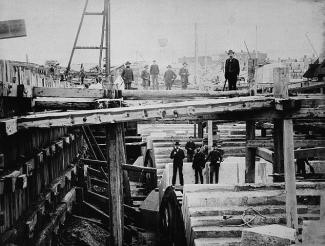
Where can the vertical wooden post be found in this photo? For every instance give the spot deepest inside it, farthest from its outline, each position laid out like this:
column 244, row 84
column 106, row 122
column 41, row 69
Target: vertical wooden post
column 278, row 165
column 200, row 129
column 251, row 64
column 210, row 134
column 114, row 136
column 322, row 208
column 281, row 80
column 250, row 153
column 290, row 175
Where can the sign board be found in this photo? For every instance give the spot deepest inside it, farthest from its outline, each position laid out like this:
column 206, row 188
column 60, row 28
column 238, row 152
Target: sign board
column 12, row 29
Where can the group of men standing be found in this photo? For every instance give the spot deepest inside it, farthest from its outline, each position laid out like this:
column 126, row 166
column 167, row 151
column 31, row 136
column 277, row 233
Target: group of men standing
column 232, row 70
column 198, row 155
column 150, row 76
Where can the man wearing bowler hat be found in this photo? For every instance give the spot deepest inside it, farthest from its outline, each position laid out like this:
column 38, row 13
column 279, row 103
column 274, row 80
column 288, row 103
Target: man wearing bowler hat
column 215, row 157
column 231, row 70
column 127, row 75
column 145, row 77
column 154, row 72
column 169, row 77
column 183, row 72
column 177, row 155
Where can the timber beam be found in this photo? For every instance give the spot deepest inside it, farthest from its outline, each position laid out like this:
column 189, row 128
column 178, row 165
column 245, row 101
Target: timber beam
column 170, row 110
column 298, row 143
column 268, row 155
column 243, row 108
column 132, row 94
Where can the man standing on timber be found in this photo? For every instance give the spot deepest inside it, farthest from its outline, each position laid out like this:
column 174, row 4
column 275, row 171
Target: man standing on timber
column 154, row 72
column 145, row 77
column 127, row 75
column 215, row 157
column 169, row 77
column 183, row 72
column 198, row 165
column 190, row 147
column 231, row 70
column 177, row 155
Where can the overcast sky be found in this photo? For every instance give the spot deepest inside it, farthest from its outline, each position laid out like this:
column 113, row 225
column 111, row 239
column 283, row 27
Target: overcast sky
column 138, row 24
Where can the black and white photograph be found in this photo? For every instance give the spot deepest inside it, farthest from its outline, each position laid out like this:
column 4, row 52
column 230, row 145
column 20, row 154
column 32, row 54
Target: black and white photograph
column 162, row 123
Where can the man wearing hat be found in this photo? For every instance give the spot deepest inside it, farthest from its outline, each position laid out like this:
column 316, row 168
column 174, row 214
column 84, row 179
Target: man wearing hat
column 231, row 70
column 215, row 157
column 145, row 77
column 183, row 72
column 127, row 75
column 177, row 155
column 169, row 77
column 154, row 72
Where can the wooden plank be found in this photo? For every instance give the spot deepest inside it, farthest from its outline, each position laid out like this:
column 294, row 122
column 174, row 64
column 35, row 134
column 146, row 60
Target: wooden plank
column 113, row 134
column 138, row 168
column 210, row 134
column 90, row 146
column 68, row 92
column 266, row 154
column 177, row 94
column 307, row 88
column 52, row 103
column 250, row 153
column 310, row 152
column 278, row 166
column 97, row 150
column 290, row 175
column 8, row 126
column 298, row 143
column 170, row 110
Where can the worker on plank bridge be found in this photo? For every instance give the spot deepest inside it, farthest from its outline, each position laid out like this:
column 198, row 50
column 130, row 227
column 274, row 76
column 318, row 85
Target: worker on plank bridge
column 127, row 75
column 231, row 70
column 183, row 72
column 154, row 72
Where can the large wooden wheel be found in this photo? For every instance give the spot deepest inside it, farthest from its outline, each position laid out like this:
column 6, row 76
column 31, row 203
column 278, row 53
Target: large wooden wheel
column 171, row 224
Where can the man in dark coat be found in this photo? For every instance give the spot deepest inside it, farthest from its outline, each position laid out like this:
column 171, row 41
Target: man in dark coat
column 183, row 72
column 231, row 70
column 198, row 165
column 190, row 147
column 154, row 72
column 169, row 77
column 127, row 75
column 145, row 77
column 215, row 157
column 177, row 155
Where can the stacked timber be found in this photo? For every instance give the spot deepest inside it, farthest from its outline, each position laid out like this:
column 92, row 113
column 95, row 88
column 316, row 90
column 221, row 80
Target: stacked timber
column 217, row 214
column 37, row 173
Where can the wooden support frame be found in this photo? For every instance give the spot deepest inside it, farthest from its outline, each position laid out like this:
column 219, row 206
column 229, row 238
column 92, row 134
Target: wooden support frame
column 290, row 175
column 114, row 137
column 250, row 153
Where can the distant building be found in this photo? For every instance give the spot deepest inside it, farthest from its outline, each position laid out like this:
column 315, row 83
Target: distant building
column 201, row 60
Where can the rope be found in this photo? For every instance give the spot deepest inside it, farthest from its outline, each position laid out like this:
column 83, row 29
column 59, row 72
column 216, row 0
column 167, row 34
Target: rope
column 246, row 222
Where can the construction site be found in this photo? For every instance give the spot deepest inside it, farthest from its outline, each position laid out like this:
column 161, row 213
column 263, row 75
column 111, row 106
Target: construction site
column 85, row 160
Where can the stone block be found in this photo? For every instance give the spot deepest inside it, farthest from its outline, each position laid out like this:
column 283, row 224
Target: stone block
column 270, row 235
